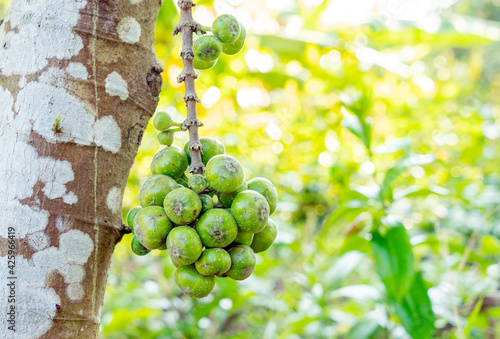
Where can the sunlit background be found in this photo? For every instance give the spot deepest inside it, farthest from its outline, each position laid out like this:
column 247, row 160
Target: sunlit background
column 364, row 114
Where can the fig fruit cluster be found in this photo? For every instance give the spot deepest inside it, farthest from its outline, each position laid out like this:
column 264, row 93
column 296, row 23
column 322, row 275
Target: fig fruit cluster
column 228, row 37
column 211, row 225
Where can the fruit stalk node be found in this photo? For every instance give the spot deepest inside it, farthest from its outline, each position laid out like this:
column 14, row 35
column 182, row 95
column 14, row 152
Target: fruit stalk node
column 183, row 75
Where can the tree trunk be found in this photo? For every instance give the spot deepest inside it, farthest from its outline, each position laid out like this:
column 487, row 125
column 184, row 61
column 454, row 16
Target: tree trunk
column 91, row 63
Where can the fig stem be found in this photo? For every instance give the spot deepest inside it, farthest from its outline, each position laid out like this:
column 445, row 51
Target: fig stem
column 187, row 26
column 206, row 28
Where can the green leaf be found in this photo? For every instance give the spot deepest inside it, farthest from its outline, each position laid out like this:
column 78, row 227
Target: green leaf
column 490, row 245
column 360, row 292
column 393, row 261
column 416, row 191
column 364, row 329
column 348, row 211
column 369, row 191
column 342, row 267
column 415, row 310
column 358, row 127
column 473, row 317
column 393, row 146
column 355, row 243
column 402, row 165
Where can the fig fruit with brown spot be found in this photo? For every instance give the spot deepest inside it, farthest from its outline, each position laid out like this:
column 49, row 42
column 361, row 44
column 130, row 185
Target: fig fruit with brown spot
column 182, row 206
column 217, row 228
column 267, row 189
column 184, row 245
column 213, row 261
column 251, row 211
column 224, row 173
column 242, row 262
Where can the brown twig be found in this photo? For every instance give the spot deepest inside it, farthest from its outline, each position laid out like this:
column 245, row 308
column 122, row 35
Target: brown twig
column 187, row 26
column 125, row 229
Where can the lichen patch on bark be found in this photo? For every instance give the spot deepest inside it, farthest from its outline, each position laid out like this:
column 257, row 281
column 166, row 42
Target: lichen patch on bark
column 129, row 30
column 114, row 199
column 25, row 55
column 116, row 86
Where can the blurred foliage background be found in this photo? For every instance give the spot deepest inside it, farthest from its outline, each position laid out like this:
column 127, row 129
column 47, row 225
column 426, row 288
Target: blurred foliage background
column 379, row 124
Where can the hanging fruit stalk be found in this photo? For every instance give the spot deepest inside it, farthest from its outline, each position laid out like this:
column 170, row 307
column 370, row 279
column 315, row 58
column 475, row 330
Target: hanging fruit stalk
column 187, row 26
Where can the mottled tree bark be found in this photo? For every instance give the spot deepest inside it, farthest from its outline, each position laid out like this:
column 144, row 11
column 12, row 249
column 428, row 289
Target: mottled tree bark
column 91, row 63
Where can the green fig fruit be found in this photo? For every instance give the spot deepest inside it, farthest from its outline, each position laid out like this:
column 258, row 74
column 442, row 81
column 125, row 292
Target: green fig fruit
column 182, row 206
column 151, row 227
column 155, row 189
column 242, row 262
column 193, row 283
column 251, row 211
column 217, row 228
column 224, row 173
column 267, row 189
column 184, row 245
column 213, row 261
column 265, row 238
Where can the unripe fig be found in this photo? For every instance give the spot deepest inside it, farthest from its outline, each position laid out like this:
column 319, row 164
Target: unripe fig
column 131, row 216
column 207, row 202
column 165, row 138
column 151, row 227
column 139, row 249
column 198, row 64
column 171, row 161
column 183, row 181
column 210, row 147
column 237, row 46
column 267, row 189
column 242, row 262
column 226, row 199
column 265, row 238
column 155, row 189
column 193, row 283
column 217, row 228
column 162, row 121
column 184, row 245
column 244, row 238
column 207, row 48
column 226, row 28
column 224, row 173
column 213, row 261
column 182, row 206
column 251, row 211
column 198, row 183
